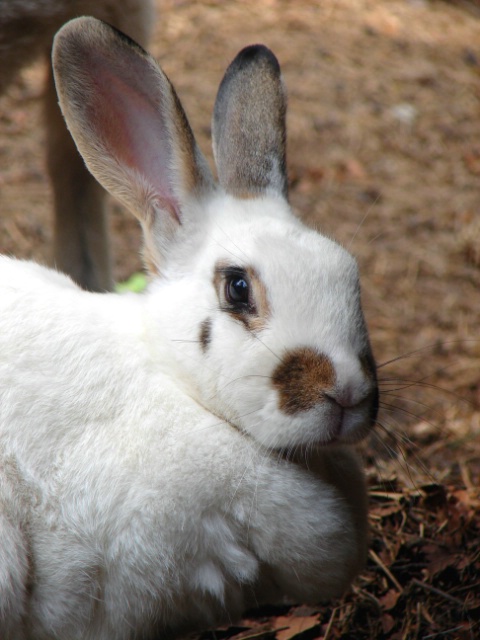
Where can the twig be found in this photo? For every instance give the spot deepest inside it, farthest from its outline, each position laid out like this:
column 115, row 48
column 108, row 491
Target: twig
column 465, row 473
column 443, row 633
column 386, row 570
column 367, row 596
column 387, row 495
column 418, row 616
column 260, row 634
column 438, row 592
column 330, row 624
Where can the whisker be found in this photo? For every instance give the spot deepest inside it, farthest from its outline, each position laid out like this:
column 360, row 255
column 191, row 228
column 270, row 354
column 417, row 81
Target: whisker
column 393, row 452
column 392, row 408
column 433, row 345
column 230, row 240
column 267, row 347
column 238, row 485
column 405, row 440
column 407, row 467
column 359, row 226
column 391, row 394
column 238, row 379
column 421, row 383
column 375, row 238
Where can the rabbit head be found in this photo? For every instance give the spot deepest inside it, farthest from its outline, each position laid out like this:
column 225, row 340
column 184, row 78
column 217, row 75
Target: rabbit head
column 258, row 316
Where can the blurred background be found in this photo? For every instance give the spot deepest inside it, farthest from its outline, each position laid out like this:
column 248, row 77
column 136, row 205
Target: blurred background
column 384, row 156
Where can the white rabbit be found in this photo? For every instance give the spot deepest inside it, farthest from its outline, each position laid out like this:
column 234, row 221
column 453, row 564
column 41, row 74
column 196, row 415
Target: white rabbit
column 171, row 458
column 27, row 28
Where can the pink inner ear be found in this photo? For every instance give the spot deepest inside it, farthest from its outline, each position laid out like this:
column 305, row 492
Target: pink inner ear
column 131, row 127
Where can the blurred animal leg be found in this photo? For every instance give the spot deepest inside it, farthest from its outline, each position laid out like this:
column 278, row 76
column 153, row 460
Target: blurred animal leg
column 81, row 247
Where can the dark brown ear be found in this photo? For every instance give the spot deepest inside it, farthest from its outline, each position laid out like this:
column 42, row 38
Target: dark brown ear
column 129, row 126
column 249, row 126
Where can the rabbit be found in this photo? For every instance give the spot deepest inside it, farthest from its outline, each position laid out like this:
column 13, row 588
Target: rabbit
column 174, row 457
column 27, row 27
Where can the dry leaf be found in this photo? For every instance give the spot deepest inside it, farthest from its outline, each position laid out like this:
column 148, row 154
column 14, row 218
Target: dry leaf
column 295, row 624
column 389, row 600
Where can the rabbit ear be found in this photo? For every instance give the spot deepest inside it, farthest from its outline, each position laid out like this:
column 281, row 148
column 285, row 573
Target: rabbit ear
column 249, row 126
column 130, row 128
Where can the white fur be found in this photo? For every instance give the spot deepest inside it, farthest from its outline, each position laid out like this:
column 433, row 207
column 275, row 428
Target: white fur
column 143, row 486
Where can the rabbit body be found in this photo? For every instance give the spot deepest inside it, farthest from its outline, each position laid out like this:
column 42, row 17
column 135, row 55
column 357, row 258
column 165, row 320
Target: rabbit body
column 171, row 458
column 137, row 507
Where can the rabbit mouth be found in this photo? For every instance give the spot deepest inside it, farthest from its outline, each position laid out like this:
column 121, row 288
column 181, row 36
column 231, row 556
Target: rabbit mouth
column 330, row 423
column 352, row 423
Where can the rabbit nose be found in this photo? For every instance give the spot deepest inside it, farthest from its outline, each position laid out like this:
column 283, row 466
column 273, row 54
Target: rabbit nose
column 306, row 378
column 356, row 395
column 352, row 393
column 366, row 403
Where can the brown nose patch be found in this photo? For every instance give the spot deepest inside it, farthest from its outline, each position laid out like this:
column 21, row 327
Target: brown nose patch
column 302, row 378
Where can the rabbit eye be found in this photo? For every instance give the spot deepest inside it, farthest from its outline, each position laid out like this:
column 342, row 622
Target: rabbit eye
column 241, row 294
column 237, row 290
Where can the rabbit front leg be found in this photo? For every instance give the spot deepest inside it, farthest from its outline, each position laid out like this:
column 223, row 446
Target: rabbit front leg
column 312, row 536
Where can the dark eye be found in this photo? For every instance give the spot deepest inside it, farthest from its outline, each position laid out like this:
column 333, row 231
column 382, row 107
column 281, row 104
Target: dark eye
column 237, row 290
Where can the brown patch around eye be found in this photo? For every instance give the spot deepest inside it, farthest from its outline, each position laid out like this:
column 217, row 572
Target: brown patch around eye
column 218, row 279
column 258, row 320
column 205, row 333
column 256, row 315
column 302, row 379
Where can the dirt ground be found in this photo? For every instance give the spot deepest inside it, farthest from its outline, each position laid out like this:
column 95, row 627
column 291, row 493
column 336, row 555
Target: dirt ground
column 384, row 155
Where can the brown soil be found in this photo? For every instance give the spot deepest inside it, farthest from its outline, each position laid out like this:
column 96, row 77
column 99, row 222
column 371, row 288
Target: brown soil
column 384, row 155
